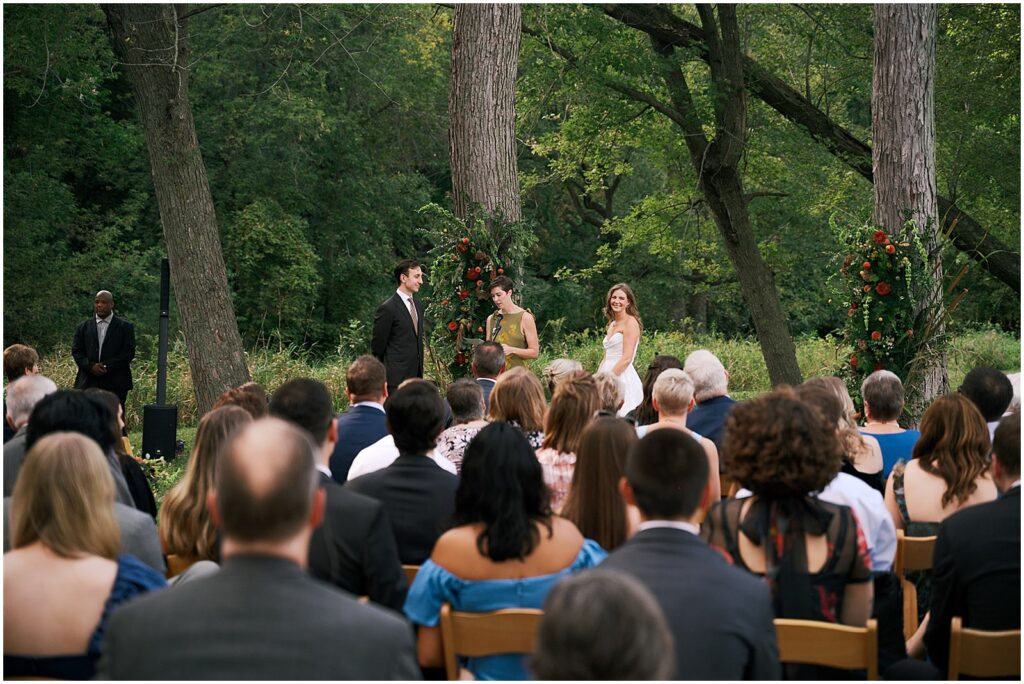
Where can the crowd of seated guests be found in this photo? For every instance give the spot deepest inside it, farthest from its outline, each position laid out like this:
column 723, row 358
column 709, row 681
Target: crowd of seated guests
column 504, row 499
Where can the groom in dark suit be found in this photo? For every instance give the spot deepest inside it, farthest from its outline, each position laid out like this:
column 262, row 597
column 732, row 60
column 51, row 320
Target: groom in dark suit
column 103, row 349
column 398, row 327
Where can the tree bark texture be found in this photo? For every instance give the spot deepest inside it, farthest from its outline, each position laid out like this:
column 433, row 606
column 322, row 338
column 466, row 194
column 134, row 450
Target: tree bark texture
column 152, row 43
column 903, row 157
column 482, row 110
column 1001, row 261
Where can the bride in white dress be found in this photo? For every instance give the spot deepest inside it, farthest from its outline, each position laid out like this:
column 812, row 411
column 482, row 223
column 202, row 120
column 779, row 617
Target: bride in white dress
column 621, row 343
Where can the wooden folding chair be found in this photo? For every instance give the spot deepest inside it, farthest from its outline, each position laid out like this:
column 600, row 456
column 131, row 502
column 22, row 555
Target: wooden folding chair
column 983, row 654
column 811, row 642
column 912, row 553
column 410, row 573
column 512, row 630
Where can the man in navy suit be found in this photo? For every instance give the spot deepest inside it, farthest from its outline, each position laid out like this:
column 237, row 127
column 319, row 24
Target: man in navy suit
column 488, row 364
column 103, row 349
column 364, row 422
column 711, row 392
column 398, row 327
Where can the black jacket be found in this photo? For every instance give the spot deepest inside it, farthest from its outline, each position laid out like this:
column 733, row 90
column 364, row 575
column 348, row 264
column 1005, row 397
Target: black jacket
column 118, row 352
column 396, row 342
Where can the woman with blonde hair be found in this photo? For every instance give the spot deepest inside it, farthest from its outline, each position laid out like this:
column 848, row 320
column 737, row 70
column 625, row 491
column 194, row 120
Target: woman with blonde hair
column 65, row 573
column 863, row 454
column 574, row 405
column 186, row 530
column 621, row 343
column 518, row 398
column 558, row 370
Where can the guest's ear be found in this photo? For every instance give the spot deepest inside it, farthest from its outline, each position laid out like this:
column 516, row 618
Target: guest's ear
column 654, row 404
column 384, row 394
column 332, row 432
column 705, row 498
column 316, row 515
column 211, row 506
column 693, row 402
column 627, row 492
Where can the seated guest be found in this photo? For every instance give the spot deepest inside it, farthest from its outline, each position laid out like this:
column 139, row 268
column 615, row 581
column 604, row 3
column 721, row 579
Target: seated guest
column 488, row 363
column 602, row 625
column 711, row 392
column 353, row 548
column 883, row 396
column 19, row 361
column 138, row 485
column 557, row 370
column 976, row 570
column 863, row 456
column 609, row 392
column 505, row 548
column 645, row 413
column 518, row 399
column 363, row 423
column 467, row 401
column 817, row 564
column 261, row 616
column 249, row 396
column 991, row 391
column 1014, row 406
column 594, row 503
column 417, row 494
column 572, row 408
column 720, row 616
column 22, row 396
column 673, row 399
column 65, row 574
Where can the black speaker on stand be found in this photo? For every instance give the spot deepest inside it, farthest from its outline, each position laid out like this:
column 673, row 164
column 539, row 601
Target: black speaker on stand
column 160, row 420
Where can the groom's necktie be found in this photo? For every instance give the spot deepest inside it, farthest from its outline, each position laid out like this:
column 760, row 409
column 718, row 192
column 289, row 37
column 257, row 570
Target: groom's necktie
column 412, row 312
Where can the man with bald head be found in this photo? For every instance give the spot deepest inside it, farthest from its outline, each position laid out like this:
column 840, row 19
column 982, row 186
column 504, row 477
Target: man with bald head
column 262, row 616
column 103, row 349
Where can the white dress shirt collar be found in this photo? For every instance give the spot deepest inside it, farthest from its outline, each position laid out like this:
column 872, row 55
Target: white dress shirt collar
column 375, row 404
column 105, row 320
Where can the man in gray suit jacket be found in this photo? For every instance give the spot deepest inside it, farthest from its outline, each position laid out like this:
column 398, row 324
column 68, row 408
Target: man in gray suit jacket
column 22, row 396
column 261, row 616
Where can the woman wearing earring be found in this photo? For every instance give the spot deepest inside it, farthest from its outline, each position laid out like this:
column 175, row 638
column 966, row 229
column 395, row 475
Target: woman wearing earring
column 622, row 342
column 512, row 326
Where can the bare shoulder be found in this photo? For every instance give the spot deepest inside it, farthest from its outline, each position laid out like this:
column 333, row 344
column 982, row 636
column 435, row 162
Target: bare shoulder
column 632, row 324
column 564, row 532
column 455, row 546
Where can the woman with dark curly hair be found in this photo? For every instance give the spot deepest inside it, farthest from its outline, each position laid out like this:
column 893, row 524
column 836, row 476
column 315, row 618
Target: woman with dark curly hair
column 811, row 552
column 505, row 550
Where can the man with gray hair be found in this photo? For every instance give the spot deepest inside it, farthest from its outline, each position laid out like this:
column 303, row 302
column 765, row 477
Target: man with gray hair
column 22, row 396
column 711, row 392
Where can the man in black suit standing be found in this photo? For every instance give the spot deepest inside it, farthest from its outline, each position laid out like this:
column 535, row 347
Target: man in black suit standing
column 720, row 616
column 398, row 327
column 261, row 616
column 353, row 548
column 103, row 349
column 488, row 364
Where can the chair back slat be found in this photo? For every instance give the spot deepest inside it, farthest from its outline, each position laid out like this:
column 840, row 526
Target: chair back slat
column 812, row 642
column 410, row 573
column 913, row 553
column 512, row 630
column 979, row 653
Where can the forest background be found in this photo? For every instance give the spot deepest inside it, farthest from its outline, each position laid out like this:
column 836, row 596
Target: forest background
column 324, row 132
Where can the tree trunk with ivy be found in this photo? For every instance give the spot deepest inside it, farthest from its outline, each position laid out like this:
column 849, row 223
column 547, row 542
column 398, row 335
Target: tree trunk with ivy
column 152, row 43
column 903, row 168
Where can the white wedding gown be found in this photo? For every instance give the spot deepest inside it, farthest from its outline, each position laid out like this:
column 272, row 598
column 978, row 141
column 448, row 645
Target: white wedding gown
column 632, row 386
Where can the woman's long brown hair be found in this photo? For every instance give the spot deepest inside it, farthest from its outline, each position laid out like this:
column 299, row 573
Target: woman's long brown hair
column 954, row 445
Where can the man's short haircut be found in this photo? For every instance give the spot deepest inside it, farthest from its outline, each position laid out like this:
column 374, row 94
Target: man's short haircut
column 488, row 358
column 708, row 374
column 668, row 471
column 250, row 396
column 673, row 390
column 883, row 392
column 267, row 495
column 1006, row 444
column 466, row 397
column 609, row 391
column 366, row 378
column 989, row 389
column 70, row 411
column 403, row 267
column 304, row 402
column 415, row 417
column 18, row 360
column 504, row 282
column 602, row 625
column 24, row 393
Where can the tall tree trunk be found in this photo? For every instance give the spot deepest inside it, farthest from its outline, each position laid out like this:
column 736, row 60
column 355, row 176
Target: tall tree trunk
column 903, row 160
column 482, row 109
column 152, row 42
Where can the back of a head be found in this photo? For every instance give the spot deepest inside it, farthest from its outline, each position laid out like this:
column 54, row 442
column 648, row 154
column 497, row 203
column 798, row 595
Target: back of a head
column 609, row 391
column 306, row 403
column 673, row 390
column 502, row 486
column 64, row 498
column 24, row 393
column 838, row 388
column 18, row 360
column 572, row 408
column 365, row 378
column 953, row 445
column 466, row 399
column 249, row 396
column 113, row 404
column 708, row 375
column 819, row 396
column 645, row 413
column 266, row 482
column 556, row 371
column 70, row 411
column 989, row 389
column 882, row 391
column 668, row 472
column 602, row 625
column 1006, row 444
column 488, row 358
column 415, row 417
column 517, row 397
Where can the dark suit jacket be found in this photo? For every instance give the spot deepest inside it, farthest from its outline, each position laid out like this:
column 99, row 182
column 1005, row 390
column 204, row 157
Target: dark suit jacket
column 358, row 428
column 419, row 497
column 487, row 384
column 720, row 616
column 259, row 617
column 976, row 572
column 396, row 343
column 708, row 418
column 118, row 352
column 14, row 456
column 354, row 547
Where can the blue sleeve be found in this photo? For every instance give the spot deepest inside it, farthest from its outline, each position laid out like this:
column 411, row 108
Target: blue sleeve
column 591, row 555
column 133, row 578
column 432, row 587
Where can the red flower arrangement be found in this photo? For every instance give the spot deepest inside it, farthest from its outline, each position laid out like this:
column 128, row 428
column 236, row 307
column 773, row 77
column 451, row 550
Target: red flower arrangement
column 453, row 326
column 880, row 237
column 890, row 249
column 876, row 335
column 883, row 288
